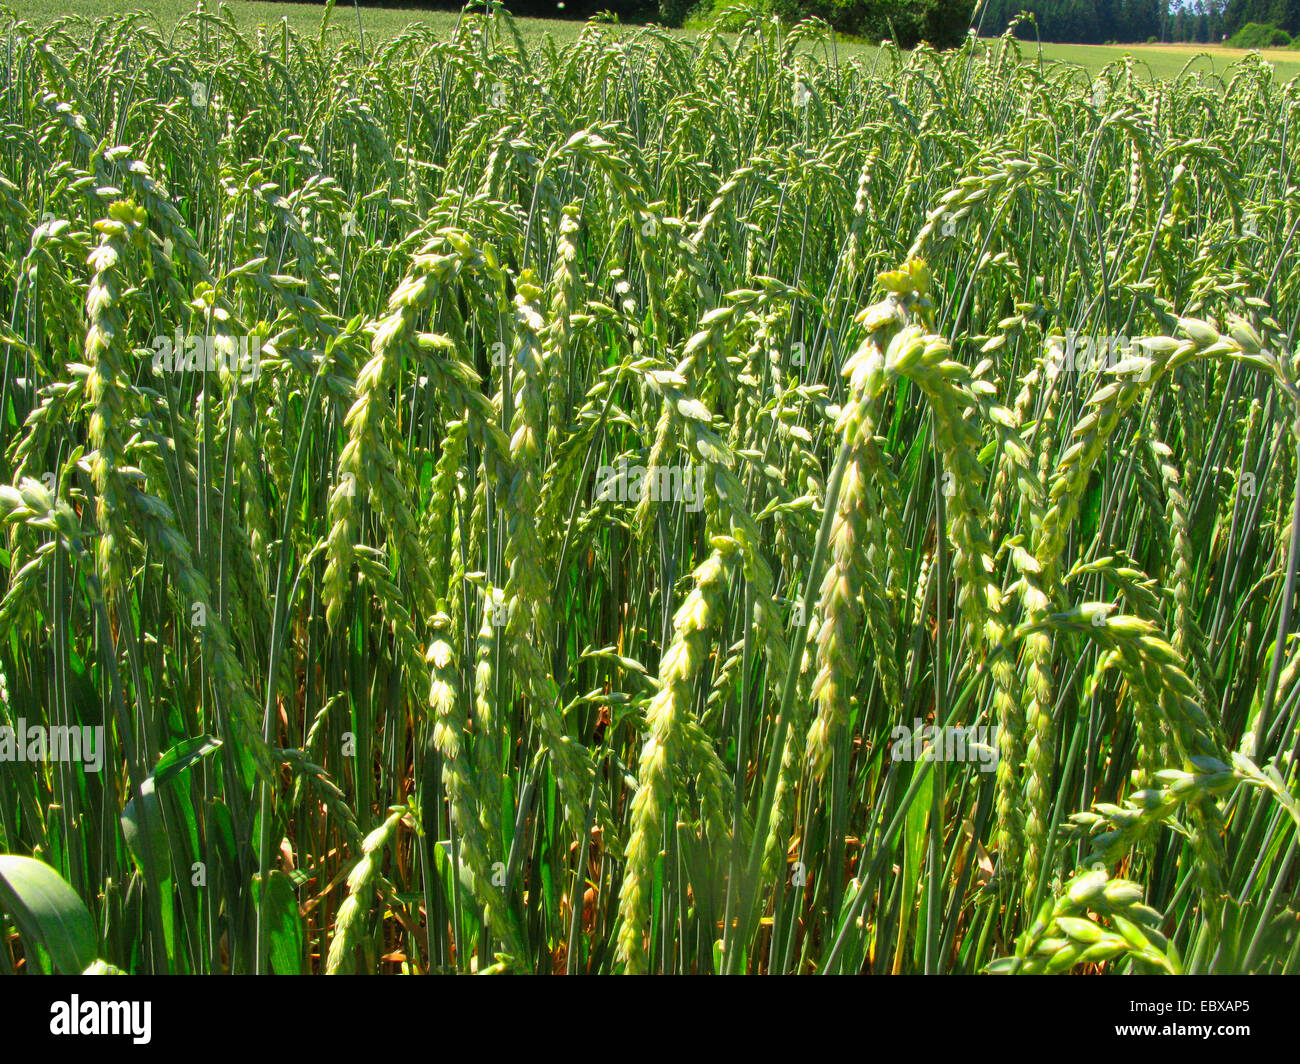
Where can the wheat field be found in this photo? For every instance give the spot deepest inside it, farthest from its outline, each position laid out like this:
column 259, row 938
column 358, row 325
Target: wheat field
column 642, row 505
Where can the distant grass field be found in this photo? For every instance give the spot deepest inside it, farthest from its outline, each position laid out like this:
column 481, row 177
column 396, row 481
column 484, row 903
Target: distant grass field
column 1166, row 60
column 382, row 22
column 1159, row 60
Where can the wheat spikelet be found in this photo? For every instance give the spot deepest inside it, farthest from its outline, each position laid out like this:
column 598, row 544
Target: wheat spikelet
column 1062, row 936
column 837, row 615
column 349, row 922
column 528, row 589
column 666, row 718
column 118, row 499
column 450, row 735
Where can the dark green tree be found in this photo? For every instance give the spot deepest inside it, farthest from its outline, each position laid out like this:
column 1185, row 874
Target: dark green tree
column 943, row 23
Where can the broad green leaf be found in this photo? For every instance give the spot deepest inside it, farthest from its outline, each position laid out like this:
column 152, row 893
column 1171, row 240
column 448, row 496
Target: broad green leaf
column 282, row 923
column 48, row 912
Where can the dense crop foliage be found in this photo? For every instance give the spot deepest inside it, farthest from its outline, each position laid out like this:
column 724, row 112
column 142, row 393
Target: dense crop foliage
column 516, row 509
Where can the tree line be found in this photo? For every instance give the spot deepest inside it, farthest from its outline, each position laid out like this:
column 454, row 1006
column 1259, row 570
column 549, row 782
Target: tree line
column 943, row 23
